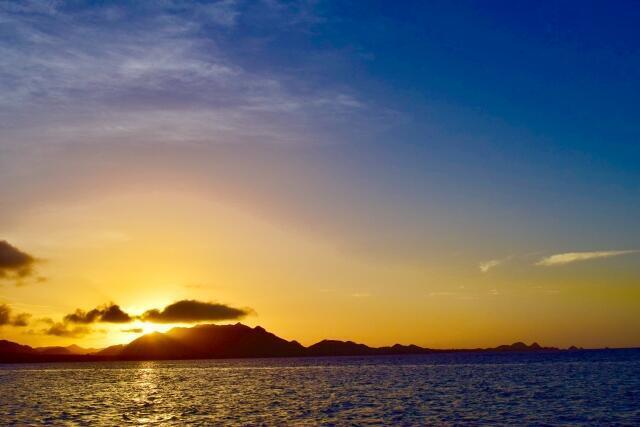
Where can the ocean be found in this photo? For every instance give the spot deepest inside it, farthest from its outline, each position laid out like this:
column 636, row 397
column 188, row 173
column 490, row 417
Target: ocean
column 568, row 388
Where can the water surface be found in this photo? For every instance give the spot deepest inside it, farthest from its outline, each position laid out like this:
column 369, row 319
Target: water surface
column 600, row 387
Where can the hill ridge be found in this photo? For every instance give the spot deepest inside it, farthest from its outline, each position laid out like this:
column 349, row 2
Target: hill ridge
column 211, row 341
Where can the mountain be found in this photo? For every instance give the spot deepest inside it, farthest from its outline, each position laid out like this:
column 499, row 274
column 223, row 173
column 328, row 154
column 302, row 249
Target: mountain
column 231, row 341
column 155, row 346
column 222, row 341
column 76, row 349
column 339, row 348
column 406, row 349
column 211, row 341
column 111, row 351
column 72, row 349
column 520, row 346
column 9, row 347
column 53, row 350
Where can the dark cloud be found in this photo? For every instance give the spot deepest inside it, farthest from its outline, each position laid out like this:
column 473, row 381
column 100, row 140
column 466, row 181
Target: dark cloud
column 15, row 264
column 65, row 330
column 75, row 325
column 5, row 314
column 21, row 319
column 191, row 311
column 6, row 318
column 109, row 313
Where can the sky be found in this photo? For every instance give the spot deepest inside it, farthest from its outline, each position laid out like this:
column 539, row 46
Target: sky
column 448, row 174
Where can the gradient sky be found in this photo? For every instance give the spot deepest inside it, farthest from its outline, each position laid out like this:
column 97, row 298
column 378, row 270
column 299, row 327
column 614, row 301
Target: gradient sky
column 449, row 174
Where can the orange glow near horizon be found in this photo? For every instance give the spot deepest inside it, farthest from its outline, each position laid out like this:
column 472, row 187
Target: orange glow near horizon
column 145, row 251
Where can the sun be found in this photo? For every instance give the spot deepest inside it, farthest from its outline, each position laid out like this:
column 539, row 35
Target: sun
column 148, row 328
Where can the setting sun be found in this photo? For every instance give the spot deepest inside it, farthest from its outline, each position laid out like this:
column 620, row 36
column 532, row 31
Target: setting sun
column 148, row 328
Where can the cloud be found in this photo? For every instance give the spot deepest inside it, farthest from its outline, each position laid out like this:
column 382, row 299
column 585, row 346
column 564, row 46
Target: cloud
column 223, row 12
column 361, row 295
column 488, row 265
column 570, row 257
column 5, row 314
column 186, row 311
column 18, row 320
column 191, row 311
column 14, row 263
column 155, row 71
column 21, row 319
column 61, row 329
column 108, row 313
column 442, row 294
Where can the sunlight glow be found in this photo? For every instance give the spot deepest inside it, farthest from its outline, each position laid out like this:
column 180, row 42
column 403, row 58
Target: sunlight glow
column 148, row 328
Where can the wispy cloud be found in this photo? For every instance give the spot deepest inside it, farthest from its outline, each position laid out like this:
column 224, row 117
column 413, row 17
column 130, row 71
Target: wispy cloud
column 485, row 266
column 570, row 257
column 79, row 75
column 442, row 294
column 361, row 295
column 461, row 296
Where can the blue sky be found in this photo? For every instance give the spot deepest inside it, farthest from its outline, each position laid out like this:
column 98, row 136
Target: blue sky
column 527, row 105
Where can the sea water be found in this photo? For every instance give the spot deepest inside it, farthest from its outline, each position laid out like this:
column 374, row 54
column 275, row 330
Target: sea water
column 568, row 388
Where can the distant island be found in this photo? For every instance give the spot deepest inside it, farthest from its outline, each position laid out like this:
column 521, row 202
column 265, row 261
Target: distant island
column 223, row 342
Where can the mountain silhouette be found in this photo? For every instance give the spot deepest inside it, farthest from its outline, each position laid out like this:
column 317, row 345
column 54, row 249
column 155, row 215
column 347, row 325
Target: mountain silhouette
column 76, row 349
column 11, row 352
column 53, row 350
column 8, row 347
column 211, row 341
column 339, row 348
column 223, row 341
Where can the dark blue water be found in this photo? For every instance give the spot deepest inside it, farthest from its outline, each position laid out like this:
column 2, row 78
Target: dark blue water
column 578, row 388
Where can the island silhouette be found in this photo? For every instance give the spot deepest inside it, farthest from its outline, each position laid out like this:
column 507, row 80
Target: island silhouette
column 210, row 341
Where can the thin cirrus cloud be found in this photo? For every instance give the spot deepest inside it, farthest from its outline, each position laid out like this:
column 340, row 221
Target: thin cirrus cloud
column 158, row 73
column 488, row 265
column 485, row 266
column 571, row 257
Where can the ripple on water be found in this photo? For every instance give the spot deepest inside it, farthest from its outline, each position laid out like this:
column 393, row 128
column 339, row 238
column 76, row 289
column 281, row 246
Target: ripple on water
column 438, row 389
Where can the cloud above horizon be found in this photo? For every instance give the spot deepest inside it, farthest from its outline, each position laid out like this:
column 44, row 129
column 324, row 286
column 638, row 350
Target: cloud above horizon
column 108, row 313
column 192, row 311
column 488, row 265
column 9, row 319
column 155, row 72
column 76, row 324
column 571, row 257
column 61, row 329
column 15, row 265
